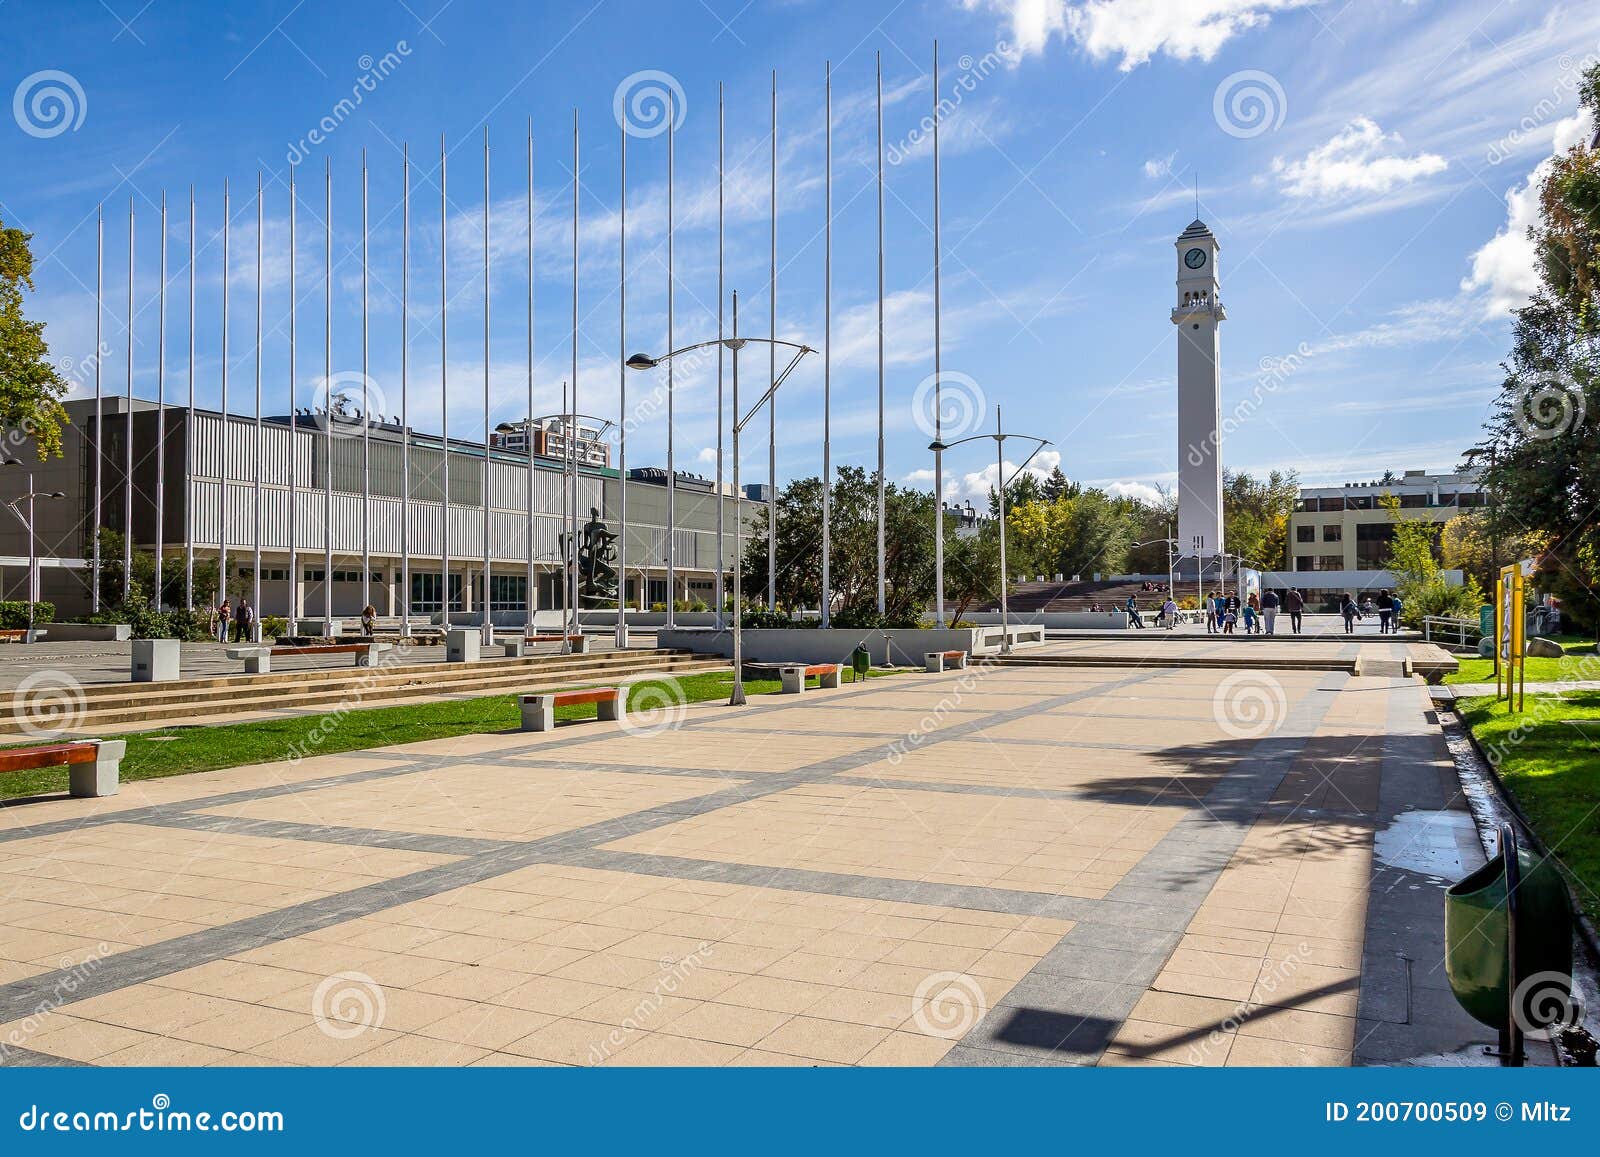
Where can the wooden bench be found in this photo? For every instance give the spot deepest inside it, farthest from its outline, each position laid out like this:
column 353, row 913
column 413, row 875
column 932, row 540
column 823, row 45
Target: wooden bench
column 579, row 643
column 794, row 676
column 92, row 765
column 539, row 709
column 22, row 635
column 366, row 653
column 938, row 661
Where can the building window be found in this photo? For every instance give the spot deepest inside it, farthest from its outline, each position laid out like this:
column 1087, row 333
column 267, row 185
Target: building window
column 1333, row 532
column 1305, row 534
column 509, row 592
column 1330, row 562
column 1372, row 545
column 425, row 588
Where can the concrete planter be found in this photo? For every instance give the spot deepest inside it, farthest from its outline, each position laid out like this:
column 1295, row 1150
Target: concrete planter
column 88, row 632
column 1056, row 620
column 154, row 660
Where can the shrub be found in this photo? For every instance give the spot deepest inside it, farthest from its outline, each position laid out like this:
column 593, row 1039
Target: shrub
column 274, row 626
column 14, row 614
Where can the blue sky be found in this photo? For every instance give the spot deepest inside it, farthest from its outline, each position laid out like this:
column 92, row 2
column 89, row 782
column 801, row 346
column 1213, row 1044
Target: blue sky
column 1366, row 165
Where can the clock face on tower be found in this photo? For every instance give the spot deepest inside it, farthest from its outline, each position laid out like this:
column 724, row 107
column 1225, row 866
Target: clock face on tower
column 1195, row 258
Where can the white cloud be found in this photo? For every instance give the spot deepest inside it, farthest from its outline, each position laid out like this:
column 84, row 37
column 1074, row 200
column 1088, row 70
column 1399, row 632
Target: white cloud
column 1157, row 167
column 1361, row 160
column 1504, row 268
column 1134, row 30
column 708, row 456
column 1143, row 491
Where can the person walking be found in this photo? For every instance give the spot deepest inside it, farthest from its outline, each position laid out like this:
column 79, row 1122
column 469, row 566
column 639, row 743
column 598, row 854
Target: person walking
column 243, row 620
column 1132, row 608
column 1394, row 614
column 1385, row 609
column 369, row 620
column 1350, row 612
column 1208, row 604
column 1252, row 614
column 224, row 616
column 1229, row 618
column 1269, row 610
column 1294, row 602
column 1169, row 612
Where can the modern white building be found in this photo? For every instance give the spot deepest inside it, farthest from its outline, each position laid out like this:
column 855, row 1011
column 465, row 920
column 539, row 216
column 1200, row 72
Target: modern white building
column 373, row 492
column 1197, row 315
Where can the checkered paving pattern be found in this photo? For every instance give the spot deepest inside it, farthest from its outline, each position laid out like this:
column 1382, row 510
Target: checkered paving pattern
column 999, row 866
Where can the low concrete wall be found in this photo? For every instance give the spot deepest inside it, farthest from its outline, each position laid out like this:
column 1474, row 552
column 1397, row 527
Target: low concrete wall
column 87, row 632
column 1056, row 620
column 903, row 647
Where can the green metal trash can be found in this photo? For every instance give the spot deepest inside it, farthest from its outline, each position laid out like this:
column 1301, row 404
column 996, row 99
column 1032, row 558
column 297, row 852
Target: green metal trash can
column 1508, row 933
column 861, row 662
column 1486, row 621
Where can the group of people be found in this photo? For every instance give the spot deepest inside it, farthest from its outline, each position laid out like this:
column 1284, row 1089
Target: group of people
column 241, row 618
column 1257, row 612
column 1386, row 606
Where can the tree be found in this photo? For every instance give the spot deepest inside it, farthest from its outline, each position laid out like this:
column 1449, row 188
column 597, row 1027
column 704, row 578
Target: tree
column 1256, row 515
column 1419, row 580
column 853, row 533
column 31, row 388
column 1544, row 460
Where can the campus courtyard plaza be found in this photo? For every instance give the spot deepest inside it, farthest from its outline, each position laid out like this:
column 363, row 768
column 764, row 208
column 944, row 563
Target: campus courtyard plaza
column 1019, row 865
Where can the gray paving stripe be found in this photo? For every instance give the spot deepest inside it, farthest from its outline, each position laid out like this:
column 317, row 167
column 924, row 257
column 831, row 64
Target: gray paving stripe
column 329, row 834
column 1132, row 797
column 17, row 1057
column 143, row 964
column 977, row 898
column 1071, row 1003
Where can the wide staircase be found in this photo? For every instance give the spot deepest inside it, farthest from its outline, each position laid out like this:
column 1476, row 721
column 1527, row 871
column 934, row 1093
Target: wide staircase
column 112, row 707
column 1080, row 596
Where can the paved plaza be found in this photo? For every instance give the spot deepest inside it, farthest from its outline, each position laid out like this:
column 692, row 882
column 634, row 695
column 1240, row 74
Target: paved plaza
column 1005, row 866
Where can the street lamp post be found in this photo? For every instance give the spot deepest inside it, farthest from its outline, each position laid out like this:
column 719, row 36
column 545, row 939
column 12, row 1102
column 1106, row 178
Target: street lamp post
column 1001, row 482
column 27, row 520
column 735, row 343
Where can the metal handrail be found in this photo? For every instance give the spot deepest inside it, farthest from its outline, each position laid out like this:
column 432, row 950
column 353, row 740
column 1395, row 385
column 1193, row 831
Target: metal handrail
column 1461, row 628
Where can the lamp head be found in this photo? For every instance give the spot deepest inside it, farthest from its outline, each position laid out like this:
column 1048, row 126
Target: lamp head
column 643, row 362
column 937, row 446
column 58, row 494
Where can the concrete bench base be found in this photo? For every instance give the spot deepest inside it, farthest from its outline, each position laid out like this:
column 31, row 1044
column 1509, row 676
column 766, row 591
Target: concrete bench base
column 539, row 710
column 793, row 677
column 103, row 776
column 514, row 649
column 939, row 661
column 257, row 660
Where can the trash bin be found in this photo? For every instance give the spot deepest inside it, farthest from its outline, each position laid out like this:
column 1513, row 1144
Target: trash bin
column 1508, row 935
column 861, row 662
column 1486, row 621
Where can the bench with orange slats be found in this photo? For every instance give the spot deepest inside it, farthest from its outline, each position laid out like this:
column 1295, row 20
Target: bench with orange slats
column 92, row 764
column 539, row 708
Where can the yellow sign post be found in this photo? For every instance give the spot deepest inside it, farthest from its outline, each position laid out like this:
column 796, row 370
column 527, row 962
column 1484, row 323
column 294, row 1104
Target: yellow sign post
column 1510, row 635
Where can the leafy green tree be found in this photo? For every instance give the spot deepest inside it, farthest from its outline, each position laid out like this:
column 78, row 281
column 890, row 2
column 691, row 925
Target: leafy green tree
column 1419, row 580
column 31, row 388
column 1255, row 515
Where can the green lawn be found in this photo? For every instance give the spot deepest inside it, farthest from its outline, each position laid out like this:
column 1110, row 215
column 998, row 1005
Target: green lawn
column 182, row 750
column 1580, row 662
column 1552, row 766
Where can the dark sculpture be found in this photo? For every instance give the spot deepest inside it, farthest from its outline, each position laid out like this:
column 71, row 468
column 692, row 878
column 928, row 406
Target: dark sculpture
column 597, row 558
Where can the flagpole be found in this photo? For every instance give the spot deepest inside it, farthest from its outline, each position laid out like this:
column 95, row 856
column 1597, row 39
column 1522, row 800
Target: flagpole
column 882, row 513
column 572, row 426
column 294, row 425
column 255, row 583
column 366, row 412
column 444, row 393
column 161, row 413
column 127, row 468
column 327, row 397
column 622, row 396
column 721, row 499
column 99, row 414
column 672, row 469
column 938, row 381
column 222, row 480
column 527, row 426
column 772, row 365
column 405, row 395
column 488, row 597
column 827, row 344
column 188, row 450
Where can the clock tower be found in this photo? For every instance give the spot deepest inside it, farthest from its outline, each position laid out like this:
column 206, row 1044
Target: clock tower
column 1196, row 316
